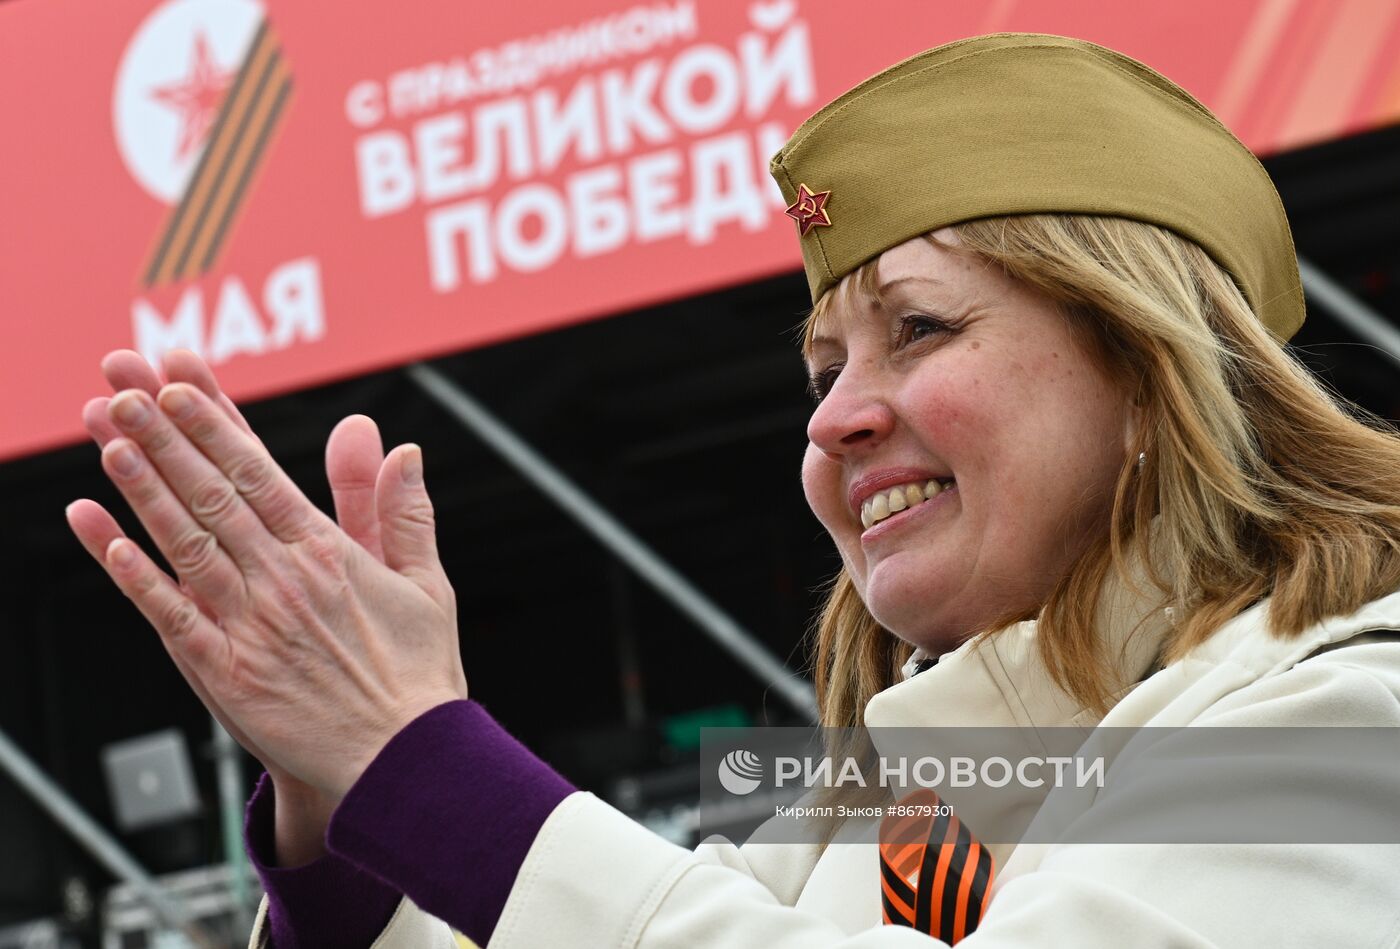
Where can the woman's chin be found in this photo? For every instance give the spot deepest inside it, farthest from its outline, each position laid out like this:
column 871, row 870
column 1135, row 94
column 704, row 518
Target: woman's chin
column 915, row 612
column 907, row 591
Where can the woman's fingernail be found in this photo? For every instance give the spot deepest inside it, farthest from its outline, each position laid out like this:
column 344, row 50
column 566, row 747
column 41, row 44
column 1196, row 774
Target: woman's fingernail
column 126, row 461
column 129, row 411
column 120, row 554
column 176, row 402
column 413, row 466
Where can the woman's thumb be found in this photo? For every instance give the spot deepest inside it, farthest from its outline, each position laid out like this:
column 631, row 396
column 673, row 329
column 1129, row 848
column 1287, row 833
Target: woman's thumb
column 406, row 524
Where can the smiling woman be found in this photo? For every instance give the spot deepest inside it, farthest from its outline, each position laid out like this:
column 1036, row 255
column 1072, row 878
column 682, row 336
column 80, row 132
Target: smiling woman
column 946, row 370
column 1133, row 403
column 1074, row 480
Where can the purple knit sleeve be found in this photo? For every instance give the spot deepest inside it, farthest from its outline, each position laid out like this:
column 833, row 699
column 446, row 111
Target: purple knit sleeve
column 446, row 814
column 327, row 903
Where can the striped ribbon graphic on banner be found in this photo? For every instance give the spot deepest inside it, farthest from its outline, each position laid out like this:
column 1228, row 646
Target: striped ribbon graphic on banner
column 934, row 874
column 247, row 119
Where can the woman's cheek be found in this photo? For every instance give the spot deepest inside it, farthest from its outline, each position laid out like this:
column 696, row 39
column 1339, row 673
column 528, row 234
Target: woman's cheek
column 822, row 484
column 821, row 479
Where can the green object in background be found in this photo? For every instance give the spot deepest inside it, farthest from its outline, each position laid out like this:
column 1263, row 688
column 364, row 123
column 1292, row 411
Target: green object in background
column 683, row 731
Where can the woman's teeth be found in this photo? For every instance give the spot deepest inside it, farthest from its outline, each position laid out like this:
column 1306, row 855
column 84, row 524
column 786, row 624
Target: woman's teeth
column 877, row 507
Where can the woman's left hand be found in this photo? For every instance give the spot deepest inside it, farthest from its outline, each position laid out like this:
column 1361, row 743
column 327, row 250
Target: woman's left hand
column 320, row 653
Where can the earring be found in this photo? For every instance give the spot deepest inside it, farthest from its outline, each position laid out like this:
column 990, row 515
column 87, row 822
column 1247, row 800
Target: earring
column 1142, row 459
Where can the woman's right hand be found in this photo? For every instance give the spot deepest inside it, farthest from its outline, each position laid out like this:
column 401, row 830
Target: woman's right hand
column 354, row 455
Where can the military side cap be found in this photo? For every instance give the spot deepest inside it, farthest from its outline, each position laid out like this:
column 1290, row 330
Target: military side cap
column 1022, row 123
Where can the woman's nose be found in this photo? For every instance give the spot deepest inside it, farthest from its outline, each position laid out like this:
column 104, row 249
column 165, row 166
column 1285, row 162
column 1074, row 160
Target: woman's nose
column 853, row 416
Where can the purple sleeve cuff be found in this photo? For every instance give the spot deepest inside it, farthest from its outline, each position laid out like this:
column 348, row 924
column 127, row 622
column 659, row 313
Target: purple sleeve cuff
column 326, row 903
column 447, row 812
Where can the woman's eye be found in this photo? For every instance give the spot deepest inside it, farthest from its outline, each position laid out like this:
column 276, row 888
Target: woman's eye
column 917, row 327
column 820, row 383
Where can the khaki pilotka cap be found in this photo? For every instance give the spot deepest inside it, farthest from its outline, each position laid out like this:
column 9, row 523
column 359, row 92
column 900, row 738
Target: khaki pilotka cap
column 1020, row 123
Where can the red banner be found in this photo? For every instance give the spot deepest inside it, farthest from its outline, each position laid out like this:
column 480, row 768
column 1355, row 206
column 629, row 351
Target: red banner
column 301, row 193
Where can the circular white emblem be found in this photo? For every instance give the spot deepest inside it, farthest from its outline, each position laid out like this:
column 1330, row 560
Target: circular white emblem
column 740, row 772
column 170, row 84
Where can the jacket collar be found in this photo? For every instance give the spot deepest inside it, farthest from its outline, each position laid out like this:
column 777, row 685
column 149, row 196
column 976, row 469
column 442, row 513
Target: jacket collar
column 1246, row 641
column 1001, row 681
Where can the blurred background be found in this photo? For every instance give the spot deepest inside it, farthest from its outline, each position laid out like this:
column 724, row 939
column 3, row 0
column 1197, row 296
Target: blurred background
column 463, row 227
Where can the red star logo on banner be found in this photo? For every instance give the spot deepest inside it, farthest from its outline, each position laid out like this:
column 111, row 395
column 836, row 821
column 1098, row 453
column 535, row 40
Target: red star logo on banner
column 196, row 97
column 809, row 210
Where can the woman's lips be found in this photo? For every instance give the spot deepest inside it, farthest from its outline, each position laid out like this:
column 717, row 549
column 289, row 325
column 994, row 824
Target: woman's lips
column 909, row 516
column 899, row 497
column 880, row 480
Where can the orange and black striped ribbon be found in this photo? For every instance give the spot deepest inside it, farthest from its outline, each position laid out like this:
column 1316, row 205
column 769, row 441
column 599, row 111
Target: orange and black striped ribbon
column 934, row 874
column 249, row 115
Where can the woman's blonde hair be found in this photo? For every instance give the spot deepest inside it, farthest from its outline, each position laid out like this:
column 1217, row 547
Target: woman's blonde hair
column 1256, row 481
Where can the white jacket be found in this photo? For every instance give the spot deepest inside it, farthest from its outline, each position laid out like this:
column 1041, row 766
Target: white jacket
column 593, row 877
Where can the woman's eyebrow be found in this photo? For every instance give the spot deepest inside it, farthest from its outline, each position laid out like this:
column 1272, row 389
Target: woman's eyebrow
column 910, row 278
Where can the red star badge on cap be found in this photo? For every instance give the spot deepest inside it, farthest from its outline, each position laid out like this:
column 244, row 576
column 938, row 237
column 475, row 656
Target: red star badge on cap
column 809, row 210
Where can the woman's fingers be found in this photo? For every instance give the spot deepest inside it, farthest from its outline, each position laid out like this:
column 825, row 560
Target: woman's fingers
column 407, row 525
column 242, row 460
column 127, row 369
column 354, row 455
column 181, row 365
column 97, row 422
column 192, row 550
column 203, row 494
column 187, row 633
column 379, row 647
column 93, row 526
column 96, row 530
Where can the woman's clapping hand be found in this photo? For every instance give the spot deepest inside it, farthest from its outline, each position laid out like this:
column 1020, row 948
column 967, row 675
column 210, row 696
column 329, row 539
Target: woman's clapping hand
column 311, row 650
